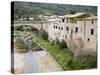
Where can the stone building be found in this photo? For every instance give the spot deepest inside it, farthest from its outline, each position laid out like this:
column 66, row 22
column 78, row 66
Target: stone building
column 80, row 37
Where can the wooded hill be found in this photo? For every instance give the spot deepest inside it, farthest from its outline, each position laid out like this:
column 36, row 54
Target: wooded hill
column 26, row 9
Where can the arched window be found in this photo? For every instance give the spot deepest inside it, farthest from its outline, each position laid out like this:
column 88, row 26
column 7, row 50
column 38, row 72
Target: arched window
column 92, row 21
column 54, row 26
column 67, row 28
column 92, row 31
column 63, row 20
column 88, row 39
column 61, row 28
column 76, row 29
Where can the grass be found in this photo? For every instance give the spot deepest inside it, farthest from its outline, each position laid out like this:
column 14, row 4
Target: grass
column 66, row 59
column 34, row 46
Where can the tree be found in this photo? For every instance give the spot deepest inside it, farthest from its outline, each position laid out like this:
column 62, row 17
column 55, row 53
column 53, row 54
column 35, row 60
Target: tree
column 44, row 35
column 72, row 12
column 62, row 44
column 21, row 46
column 20, row 28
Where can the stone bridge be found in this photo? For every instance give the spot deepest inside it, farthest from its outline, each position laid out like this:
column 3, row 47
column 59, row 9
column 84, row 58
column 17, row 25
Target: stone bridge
column 36, row 24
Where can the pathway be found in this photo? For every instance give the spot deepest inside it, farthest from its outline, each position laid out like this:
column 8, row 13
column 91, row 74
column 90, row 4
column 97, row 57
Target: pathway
column 46, row 62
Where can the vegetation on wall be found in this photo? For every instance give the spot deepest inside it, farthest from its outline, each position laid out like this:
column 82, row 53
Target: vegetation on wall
column 79, row 18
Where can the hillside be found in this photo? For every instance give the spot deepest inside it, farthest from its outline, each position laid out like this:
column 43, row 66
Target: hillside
column 25, row 9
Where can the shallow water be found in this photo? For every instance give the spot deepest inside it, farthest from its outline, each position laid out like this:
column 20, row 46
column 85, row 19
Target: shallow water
column 31, row 63
column 28, row 59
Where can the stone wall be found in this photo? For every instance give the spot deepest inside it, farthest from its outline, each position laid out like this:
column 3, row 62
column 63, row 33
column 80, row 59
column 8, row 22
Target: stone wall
column 76, row 35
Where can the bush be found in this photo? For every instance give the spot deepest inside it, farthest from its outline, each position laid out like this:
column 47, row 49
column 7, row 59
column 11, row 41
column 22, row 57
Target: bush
column 82, row 62
column 20, row 28
column 21, row 47
column 57, row 41
column 72, row 12
column 62, row 44
column 44, row 35
column 52, row 42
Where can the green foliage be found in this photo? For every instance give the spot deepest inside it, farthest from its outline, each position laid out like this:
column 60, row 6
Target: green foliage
column 26, row 9
column 19, row 28
column 56, row 42
column 73, row 20
column 83, row 62
column 79, row 18
column 21, row 47
column 44, row 35
column 52, row 43
column 35, row 47
column 66, row 59
column 72, row 12
column 62, row 44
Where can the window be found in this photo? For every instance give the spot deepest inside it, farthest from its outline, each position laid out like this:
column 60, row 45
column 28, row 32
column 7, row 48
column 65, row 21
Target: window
column 92, row 31
column 92, row 21
column 63, row 20
column 56, row 27
column 67, row 28
column 76, row 29
column 59, row 28
column 88, row 39
column 62, row 28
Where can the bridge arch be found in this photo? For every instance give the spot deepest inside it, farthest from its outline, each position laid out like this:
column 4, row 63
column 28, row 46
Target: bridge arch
column 37, row 25
column 25, row 28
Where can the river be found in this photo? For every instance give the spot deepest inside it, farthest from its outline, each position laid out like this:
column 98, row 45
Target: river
column 33, row 61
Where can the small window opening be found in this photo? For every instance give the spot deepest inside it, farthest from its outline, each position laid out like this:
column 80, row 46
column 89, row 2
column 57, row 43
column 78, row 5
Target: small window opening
column 76, row 29
column 92, row 31
column 62, row 28
column 88, row 39
column 67, row 28
column 56, row 27
column 59, row 28
column 92, row 21
column 63, row 20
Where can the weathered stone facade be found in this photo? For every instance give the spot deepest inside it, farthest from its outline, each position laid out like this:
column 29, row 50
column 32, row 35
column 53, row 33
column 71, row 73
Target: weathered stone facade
column 81, row 37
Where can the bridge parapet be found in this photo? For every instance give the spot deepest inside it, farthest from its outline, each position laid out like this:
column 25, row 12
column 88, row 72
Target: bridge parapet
column 37, row 24
column 28, row 22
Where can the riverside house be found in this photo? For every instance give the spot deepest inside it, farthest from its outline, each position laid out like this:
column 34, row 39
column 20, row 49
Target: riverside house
column 80, row 36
